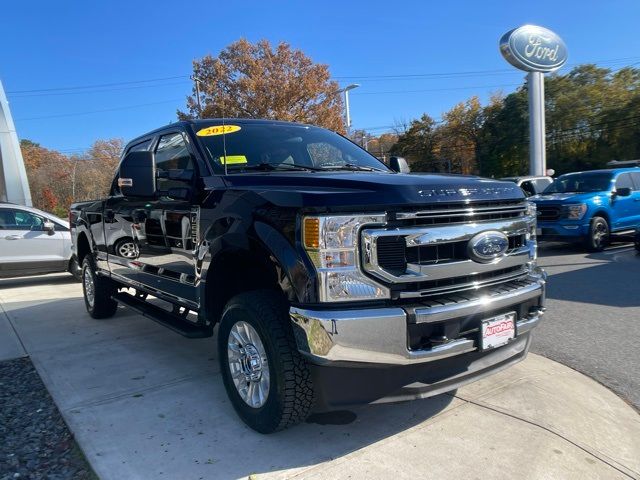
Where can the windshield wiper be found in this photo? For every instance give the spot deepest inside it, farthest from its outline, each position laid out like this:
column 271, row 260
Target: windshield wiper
column 353, row 167
column 276, row 166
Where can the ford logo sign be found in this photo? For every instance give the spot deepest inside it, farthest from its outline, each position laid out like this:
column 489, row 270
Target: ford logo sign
column 533, row 49
column 486, row 247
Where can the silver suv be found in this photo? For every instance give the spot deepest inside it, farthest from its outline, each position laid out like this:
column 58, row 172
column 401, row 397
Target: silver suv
column 33, row 242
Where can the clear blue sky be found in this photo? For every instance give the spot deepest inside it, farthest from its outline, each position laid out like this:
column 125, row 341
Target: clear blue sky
column 48, row 45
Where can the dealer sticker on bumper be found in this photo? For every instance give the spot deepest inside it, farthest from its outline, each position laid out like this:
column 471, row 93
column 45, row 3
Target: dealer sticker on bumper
column 497, row 331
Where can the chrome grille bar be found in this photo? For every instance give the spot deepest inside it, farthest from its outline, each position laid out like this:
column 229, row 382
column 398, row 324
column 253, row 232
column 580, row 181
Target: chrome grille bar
column 468, row 212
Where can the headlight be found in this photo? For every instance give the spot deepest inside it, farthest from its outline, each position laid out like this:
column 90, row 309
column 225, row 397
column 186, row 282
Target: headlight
column 575, row 212
column 532, row 210
column 332, row 245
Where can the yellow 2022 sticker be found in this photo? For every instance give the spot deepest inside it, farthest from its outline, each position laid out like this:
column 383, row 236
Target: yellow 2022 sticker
column 217, row 130
column 234, row 159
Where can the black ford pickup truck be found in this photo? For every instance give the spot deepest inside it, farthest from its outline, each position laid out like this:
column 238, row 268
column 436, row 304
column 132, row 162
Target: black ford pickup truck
column 333, row 279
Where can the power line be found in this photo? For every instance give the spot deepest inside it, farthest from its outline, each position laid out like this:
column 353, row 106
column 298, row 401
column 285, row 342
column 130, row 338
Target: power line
column 100, row 85
column 84, row 92
column 436, row 75
column 126, row 107
column 469, row 73
column 440, row 89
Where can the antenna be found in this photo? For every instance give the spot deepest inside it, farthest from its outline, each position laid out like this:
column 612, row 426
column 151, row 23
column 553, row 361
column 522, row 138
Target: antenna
column 224, row 140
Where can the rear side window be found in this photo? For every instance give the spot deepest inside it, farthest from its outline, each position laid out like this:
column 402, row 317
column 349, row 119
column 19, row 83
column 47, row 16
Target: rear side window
column 636, row 180
column 624, row 181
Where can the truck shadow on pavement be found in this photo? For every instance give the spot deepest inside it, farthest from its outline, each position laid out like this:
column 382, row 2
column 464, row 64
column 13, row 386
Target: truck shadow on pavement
column 144, row 402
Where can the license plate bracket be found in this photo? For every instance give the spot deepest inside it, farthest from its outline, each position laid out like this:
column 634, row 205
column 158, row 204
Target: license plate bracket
column 497, row 331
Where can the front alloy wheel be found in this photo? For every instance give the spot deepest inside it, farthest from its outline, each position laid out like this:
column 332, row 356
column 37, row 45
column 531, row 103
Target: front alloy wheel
column 248, row 364
column 266, row 378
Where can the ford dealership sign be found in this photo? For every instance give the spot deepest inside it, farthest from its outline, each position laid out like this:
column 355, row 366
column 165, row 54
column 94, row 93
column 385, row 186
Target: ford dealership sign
column 533, row 49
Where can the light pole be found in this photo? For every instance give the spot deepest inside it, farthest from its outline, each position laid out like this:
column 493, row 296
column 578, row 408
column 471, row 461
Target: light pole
column 197, row 81
column 347, row 114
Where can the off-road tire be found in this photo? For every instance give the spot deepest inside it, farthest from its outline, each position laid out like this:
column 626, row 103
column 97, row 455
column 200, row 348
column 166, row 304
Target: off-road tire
column 291, row 395
column 599, row 235
column 103, row 305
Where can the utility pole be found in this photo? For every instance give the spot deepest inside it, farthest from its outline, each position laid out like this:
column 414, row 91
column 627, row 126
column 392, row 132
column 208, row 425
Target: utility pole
column 197, row 80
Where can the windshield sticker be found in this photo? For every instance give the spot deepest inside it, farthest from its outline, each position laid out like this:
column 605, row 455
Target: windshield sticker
column 217, row 130
column 234, row 159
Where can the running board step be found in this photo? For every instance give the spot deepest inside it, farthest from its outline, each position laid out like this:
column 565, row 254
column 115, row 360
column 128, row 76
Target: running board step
column 170, row 320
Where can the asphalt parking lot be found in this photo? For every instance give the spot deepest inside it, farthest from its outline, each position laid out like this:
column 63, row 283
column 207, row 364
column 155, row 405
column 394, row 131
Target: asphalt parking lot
column 144, row 402
column 593, row 316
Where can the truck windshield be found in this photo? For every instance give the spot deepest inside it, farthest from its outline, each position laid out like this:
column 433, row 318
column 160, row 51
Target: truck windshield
column 283, row 147
column 580, row 183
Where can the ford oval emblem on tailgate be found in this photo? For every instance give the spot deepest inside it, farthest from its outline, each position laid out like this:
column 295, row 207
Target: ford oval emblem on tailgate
column 485, row 247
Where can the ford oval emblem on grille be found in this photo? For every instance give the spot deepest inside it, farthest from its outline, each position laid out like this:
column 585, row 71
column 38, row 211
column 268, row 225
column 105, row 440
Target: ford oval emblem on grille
column 487, row 246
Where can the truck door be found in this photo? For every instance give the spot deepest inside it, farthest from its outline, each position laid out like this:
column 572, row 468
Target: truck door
column 171, row 220
column 624, row 208
column 160, row 228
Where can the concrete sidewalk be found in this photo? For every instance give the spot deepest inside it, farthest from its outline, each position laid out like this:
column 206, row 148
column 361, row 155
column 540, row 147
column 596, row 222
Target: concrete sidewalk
column 145, row 403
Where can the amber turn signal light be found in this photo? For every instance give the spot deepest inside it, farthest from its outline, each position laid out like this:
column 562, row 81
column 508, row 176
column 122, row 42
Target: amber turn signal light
column 311, row 232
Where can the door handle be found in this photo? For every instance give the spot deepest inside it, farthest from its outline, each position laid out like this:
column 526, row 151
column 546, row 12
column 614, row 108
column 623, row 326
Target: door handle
column 13, row 237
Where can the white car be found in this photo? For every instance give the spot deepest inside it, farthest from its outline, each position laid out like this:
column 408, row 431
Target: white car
column 531, row 185
column 33, row 242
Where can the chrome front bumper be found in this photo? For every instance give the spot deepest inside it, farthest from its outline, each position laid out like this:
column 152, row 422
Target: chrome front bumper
column 379, row 336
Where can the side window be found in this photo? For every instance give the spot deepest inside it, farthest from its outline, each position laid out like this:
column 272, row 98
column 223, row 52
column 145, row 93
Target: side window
column 624, row 181
column 19, row 220
column 528, row 188
column 172, row 154
column 636, row 180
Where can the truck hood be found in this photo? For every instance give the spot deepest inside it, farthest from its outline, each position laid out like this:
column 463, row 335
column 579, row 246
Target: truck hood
column 571, row 197
column 368, row 189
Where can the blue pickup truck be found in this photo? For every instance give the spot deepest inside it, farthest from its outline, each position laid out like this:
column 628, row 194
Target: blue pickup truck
column 589, row 206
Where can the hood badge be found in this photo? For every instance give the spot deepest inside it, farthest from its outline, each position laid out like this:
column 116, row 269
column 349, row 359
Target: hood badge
column 464, row 191
column 486, row 247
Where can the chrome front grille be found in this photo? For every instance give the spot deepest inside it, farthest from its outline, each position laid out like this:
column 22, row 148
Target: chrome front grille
column 434, row 257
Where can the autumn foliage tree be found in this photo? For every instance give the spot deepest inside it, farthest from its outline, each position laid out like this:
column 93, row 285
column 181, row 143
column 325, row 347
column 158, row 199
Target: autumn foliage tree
column 258, row 81
column 57, row 180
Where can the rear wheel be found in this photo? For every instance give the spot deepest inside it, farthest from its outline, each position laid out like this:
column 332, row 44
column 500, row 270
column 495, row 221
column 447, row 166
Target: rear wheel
column 266, row 378
column 97, row 291
column 599, row 233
